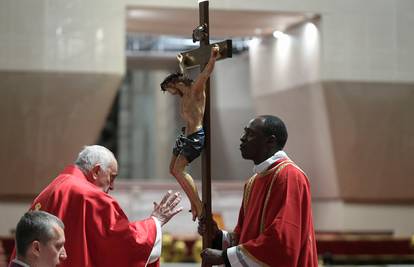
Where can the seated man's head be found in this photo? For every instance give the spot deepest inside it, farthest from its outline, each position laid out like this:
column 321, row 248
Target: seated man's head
column 40, row 239
column 99, row 165
column 176, row 84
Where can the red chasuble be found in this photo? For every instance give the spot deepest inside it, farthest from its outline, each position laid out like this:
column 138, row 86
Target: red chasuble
column 97, row 232
column 275, row 225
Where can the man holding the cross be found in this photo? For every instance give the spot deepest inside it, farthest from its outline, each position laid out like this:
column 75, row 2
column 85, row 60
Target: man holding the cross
column 190, row 144
column 275, row 226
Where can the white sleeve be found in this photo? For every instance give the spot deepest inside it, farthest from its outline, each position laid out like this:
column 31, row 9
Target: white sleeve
column 156, row 249
column 228, row 240
column 238, row 258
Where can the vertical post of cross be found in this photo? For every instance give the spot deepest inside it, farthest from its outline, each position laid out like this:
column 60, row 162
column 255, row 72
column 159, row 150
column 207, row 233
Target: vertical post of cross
column 206, row 157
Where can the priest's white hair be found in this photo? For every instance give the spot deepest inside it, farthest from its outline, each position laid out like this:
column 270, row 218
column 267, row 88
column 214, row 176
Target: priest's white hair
column 93, row 155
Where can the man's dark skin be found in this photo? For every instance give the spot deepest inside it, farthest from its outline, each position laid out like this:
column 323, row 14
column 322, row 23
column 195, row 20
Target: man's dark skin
column 257, row 146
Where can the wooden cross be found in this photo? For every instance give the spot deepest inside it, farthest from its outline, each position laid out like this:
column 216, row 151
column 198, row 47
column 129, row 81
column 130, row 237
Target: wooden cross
column 200, row 57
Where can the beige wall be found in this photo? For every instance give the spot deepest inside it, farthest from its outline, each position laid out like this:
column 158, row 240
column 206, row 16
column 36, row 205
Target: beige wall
column 372, row 132
column 61, row 63
column 46, row 119
column 62, row 36
column 368, row 41
column 11, row 213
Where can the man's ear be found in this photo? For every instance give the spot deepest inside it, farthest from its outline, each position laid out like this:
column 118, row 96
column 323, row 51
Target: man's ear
column 35, row 248
column 272, row 139
column 95, row 171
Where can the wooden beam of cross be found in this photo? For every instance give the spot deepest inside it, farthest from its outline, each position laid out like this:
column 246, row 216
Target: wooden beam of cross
column 200, row 57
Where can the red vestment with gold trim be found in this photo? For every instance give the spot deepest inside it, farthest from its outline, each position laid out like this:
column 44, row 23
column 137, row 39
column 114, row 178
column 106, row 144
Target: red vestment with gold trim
column 275, row 225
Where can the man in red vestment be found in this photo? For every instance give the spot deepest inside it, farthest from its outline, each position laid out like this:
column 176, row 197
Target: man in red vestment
column 98, row 233
column 275, row 226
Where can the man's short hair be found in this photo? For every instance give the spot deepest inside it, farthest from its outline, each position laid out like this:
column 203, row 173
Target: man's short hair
column 275, row 126
column 35, row 226
column 92, row 155
column 174, row 78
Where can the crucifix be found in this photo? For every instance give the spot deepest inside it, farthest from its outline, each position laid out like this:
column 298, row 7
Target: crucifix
column 199, row 57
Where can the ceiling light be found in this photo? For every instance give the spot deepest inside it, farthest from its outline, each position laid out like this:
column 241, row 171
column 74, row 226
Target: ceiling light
column 279, row 34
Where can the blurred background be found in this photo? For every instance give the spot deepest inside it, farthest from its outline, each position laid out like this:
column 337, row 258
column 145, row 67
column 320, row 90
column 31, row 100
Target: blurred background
column 339, row 73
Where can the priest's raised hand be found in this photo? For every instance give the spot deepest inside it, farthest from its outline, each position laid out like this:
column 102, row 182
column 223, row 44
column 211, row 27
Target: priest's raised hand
column 167, row 207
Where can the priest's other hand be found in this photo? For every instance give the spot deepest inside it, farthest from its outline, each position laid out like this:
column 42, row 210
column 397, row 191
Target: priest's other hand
column 167, row 207
column 202, row 228
column 212, row 256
